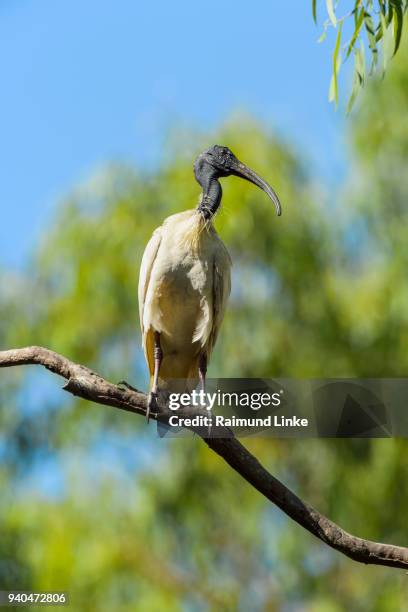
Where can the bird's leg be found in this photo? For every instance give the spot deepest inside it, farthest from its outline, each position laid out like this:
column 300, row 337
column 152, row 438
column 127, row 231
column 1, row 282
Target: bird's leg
column 158, row 358
column 202, row 371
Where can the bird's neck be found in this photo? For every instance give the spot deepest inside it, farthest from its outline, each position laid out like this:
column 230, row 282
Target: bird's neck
column 210, row 198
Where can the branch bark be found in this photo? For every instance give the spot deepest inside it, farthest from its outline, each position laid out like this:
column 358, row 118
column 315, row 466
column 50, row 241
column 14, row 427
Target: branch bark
column 83, row 382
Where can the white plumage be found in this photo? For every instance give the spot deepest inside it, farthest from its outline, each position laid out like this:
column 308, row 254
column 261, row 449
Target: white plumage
column 184, row 286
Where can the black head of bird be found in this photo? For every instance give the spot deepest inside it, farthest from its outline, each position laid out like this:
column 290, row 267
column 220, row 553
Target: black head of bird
column 218, row 162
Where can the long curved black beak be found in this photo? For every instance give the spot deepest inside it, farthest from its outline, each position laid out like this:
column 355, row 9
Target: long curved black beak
column 246, row 173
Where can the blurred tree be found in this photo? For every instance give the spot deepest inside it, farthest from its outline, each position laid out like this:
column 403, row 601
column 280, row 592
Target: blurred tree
column 95, row 504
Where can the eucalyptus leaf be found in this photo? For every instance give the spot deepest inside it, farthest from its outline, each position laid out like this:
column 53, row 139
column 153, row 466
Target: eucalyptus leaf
column 337, row 63
column 370, row 28
column 360, row 64
column 398, row 21
column 359, row 76
column 354, row 93
column 359, row 23
column 384, row 46
column 331, row 13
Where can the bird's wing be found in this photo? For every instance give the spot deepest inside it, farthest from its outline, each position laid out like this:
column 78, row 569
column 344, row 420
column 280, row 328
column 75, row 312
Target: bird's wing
column 221, row 292
column 149, row 257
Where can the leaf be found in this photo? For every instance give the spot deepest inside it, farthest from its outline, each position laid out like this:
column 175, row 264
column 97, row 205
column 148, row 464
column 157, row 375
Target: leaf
column 397, row 23
column 360, row 64
column 355, row 14
column 380, row 30
column 384, row 48
column 369, row 25
column 388, row 42
column 322, row 37
column 359, row 23
column 336, row 66
column 354, row 93
column 359, row 77
column 331, row 13
column 383, row 8
column 314, row 11
column 390, row 15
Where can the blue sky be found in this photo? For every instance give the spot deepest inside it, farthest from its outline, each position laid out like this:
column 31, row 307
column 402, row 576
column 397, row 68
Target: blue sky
column 85, row 82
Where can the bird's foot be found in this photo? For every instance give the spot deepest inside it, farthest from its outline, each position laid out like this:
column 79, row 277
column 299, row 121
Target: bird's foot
column 122, row 384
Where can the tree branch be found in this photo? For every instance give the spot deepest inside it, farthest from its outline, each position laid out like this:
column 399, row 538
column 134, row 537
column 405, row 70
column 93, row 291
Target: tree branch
column 83, row 382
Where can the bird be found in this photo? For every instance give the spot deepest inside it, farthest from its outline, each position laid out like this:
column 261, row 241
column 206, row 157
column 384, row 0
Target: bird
column 185, row 281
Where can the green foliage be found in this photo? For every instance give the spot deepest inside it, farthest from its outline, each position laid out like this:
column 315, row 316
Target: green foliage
column 376, row 23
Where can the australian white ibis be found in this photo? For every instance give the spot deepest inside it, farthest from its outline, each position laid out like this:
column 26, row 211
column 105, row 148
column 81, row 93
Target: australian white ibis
column 185, row 280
